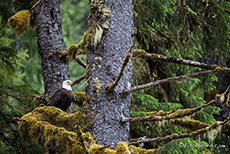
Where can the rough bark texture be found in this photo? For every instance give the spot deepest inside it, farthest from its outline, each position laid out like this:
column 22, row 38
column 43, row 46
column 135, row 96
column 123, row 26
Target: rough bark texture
column 50, row 40
column 104, row 64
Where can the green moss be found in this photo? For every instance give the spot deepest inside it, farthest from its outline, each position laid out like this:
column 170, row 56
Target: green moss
column 139, row 53
column 88, row 140
column 79, row 98
column 50, row 55
column 97, row 23
column 89, row 37
column 20, row 22
column 75, row 49
column 214, row 66
column 96, row 149
column 122, row 148
column 138, row 150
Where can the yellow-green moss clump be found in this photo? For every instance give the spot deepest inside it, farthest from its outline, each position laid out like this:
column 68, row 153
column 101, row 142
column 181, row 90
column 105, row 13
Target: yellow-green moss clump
column 41, row 100
column 139, row 53
column 20, row 22
column 75, row 49
column 49, row 122
column 79, row 98
column 122, row 148
column 137, row 150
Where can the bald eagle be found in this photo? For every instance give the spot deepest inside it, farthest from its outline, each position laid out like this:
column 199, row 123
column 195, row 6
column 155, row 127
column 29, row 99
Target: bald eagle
column 62, row 98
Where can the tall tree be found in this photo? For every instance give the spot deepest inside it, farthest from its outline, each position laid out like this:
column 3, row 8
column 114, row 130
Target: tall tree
column 50, row 41
column 104, row 59
column 105, row 114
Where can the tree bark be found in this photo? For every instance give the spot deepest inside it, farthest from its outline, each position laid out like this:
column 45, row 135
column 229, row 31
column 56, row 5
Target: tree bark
column 103, row 66
column 50, row 40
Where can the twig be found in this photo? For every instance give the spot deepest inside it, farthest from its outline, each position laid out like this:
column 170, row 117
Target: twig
column 221, row 70
column 80, row 62
column 158, row 57
column 19, row 119
column 79, row 79
column 35, row 5
column 176, row 136
column 174, row 115
column 111, row 87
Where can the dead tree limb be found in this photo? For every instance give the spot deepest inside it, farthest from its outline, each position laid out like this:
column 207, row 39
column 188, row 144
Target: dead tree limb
column 79, row 79
column 80, row 62
column 158, row 57
column 218, row 70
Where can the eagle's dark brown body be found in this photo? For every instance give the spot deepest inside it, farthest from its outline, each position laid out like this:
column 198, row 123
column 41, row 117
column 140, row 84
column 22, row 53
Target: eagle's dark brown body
column 61, row 99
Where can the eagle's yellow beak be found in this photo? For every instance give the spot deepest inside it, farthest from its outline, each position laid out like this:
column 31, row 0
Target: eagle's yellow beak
column 69, row 82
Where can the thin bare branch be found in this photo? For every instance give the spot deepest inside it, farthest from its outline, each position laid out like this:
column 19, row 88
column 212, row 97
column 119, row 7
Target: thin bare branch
column 219, row 70
column 80, row 62
column 79, row 79
column 176, row 136
column 35, row 5
column 111, row 87
column 158, row 57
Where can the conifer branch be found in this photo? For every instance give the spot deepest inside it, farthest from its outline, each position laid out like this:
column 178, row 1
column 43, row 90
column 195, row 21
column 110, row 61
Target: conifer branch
column 158, row 57
column 189, row 124
column 79, row 79
column 178, row 114
column 111, row 87
column 176, row 136
column 217, row 70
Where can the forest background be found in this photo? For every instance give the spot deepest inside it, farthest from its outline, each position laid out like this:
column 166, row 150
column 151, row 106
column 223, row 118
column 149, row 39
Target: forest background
column 193, row 30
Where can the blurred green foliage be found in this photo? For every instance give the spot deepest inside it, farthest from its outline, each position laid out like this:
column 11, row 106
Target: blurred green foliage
column 183, row 29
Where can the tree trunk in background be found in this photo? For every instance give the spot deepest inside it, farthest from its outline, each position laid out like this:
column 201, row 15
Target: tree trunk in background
column 104, row 64
column 50, row 40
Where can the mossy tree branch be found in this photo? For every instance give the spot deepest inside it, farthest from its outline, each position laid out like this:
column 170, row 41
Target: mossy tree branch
column 217, row 70
column 189, row 124
column 158, row 57
column 177, row 114
column 176, row 136
column 112, row 86
column 39, row 123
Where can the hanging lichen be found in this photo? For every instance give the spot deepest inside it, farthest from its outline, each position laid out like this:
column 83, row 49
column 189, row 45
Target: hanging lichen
column 212, row 133
column 97, row 36
column 20, row 22
column 97, row 23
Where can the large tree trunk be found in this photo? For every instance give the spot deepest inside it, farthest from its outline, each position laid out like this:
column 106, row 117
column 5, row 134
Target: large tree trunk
column 50, row 40
column 104, row 63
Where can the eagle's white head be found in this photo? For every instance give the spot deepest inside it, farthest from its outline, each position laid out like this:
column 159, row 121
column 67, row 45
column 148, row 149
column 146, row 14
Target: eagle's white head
column 67, row 85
